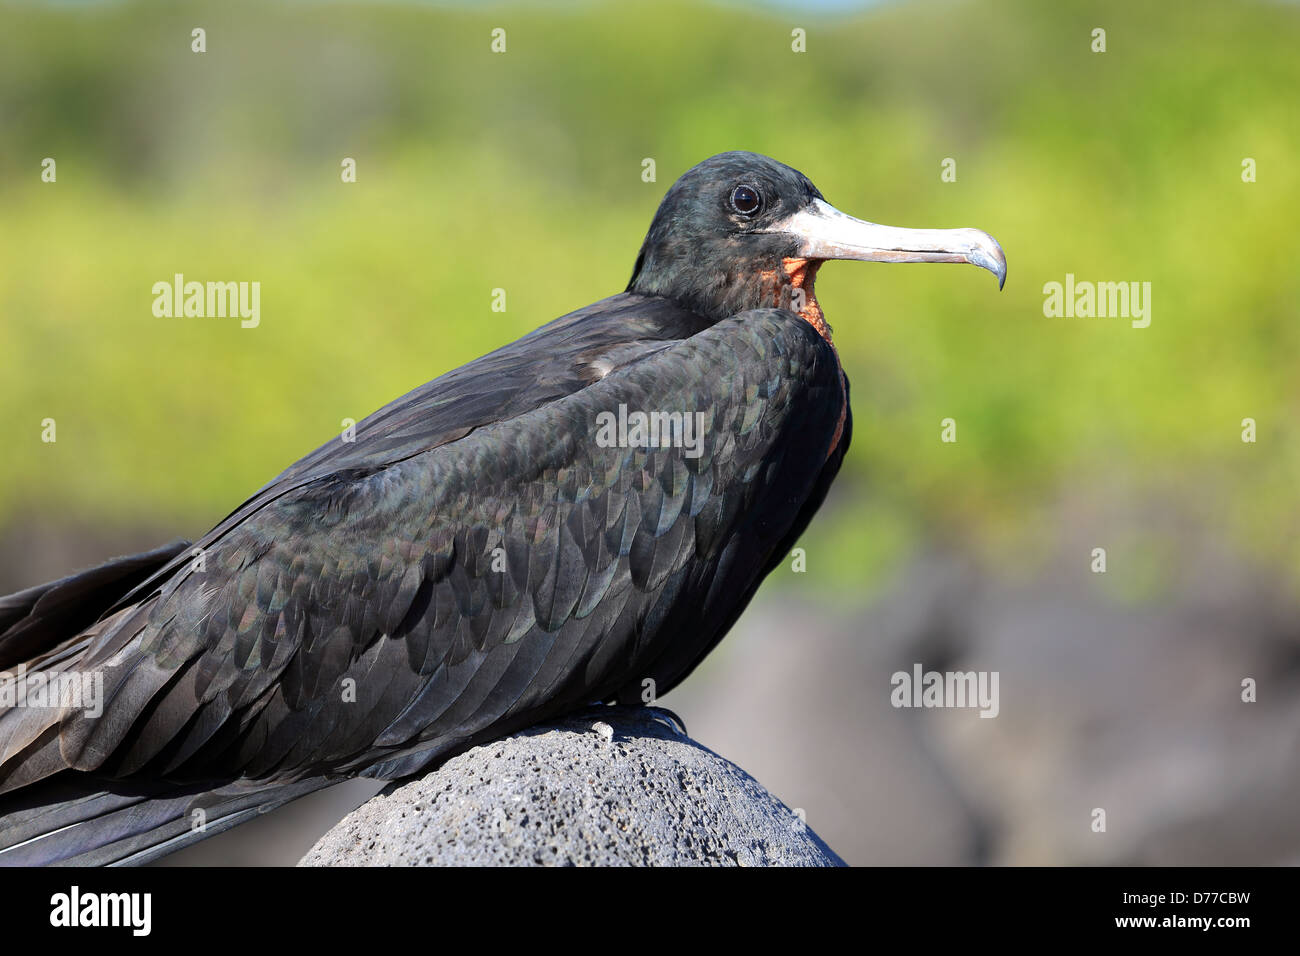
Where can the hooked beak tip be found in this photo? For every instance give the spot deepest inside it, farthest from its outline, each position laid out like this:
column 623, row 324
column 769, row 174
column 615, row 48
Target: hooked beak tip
column 995, row 261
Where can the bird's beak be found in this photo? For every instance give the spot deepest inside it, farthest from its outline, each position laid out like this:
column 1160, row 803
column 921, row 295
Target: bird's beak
column 826, row 233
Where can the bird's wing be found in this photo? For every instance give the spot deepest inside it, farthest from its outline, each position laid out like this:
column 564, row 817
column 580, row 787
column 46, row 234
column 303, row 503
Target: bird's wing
column 371, row 616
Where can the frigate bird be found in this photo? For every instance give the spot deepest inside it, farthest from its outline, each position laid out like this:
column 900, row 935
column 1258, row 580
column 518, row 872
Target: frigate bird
column 576, row 517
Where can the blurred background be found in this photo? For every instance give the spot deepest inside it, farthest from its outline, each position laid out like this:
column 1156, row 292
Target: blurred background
column 522, row 171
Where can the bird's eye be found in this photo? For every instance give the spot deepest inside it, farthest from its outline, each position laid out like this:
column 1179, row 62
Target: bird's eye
column 746, row 200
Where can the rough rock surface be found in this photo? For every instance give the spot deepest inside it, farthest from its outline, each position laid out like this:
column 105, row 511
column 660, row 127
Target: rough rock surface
column 609, row 787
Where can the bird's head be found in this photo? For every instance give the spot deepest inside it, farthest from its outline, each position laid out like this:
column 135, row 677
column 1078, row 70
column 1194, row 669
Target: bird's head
column 742, row 231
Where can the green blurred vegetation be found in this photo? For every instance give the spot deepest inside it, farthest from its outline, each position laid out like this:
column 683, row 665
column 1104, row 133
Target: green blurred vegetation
column 522, row 171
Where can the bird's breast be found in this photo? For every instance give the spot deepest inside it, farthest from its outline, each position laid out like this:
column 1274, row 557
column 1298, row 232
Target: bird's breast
column 793, row 288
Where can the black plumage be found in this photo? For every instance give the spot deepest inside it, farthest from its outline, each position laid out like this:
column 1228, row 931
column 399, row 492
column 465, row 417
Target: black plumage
column 474, row 562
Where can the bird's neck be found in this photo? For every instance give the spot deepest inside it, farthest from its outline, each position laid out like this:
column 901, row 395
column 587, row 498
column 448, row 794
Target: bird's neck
column 791, row 287
column 715, row 288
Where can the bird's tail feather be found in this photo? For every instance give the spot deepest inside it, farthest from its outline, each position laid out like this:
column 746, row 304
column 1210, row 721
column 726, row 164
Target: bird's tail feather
column 73, row 819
